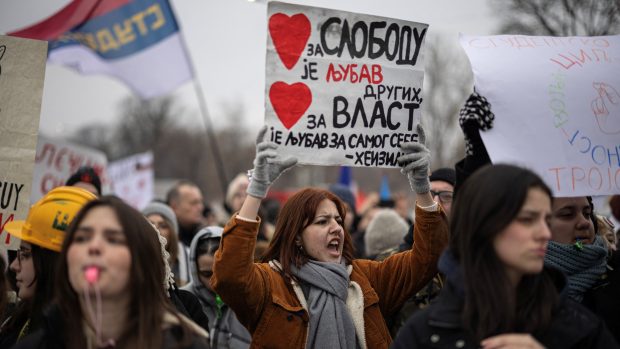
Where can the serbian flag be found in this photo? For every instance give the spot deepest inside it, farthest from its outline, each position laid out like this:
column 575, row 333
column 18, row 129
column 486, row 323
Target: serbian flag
column 136, row 41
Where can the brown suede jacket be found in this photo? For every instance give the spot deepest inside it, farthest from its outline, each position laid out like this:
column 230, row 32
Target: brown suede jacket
column 272, row 310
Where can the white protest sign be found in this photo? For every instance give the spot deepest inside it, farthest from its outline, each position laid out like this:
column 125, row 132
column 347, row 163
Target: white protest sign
column 132, row 179
column 22, row 71
column 57, row 160
column 557, row 107
column 342, row 88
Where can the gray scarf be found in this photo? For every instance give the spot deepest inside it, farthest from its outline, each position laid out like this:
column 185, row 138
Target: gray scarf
column 331, row 325
column 583, row 266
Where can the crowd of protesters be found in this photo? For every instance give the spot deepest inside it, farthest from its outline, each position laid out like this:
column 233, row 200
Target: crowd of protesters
column 487, row 258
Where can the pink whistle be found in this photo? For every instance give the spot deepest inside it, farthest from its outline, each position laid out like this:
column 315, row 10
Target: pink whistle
column 92, row 274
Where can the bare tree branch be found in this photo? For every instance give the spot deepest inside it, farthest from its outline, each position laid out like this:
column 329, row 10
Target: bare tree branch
column 559, row 17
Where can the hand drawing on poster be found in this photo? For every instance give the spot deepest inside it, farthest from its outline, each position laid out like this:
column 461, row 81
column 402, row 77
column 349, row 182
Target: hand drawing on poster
column 342, row 88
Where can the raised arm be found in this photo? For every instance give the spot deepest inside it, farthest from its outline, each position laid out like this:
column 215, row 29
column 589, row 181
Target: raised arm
column 475, row 116
column 268, row 166
column 401, row 275
column 241, row 283
column 415, row 164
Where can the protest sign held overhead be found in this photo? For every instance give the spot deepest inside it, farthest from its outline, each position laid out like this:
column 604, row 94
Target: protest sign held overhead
column 22, row 72
column 342, row 88
column 557, row 107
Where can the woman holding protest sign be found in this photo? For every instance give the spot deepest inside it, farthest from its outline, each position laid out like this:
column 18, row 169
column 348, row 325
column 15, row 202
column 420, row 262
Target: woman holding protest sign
column 41, row 237
column 111, row 287
column 309, row 292
column 499, row 293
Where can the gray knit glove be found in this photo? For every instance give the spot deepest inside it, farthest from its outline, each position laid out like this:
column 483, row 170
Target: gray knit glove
column 268, row 165
column 415, row 163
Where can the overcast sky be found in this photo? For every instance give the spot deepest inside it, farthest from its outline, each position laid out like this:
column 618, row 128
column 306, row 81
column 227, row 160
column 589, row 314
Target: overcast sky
column 226, row 41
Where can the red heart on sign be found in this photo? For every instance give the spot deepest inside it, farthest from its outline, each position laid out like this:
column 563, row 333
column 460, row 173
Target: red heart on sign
column 289, row 35
column 290, row 102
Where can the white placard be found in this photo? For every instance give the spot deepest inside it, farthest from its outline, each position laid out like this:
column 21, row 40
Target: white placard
column 57, row 160
column 22, row 72
column 342, row 88
column 557, row 107
column 132, row 179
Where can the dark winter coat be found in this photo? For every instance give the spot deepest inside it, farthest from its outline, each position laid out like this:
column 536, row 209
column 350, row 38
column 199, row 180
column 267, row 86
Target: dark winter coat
column 51, row 335
column 189, row 305
column 440, row 326
column 604, row 299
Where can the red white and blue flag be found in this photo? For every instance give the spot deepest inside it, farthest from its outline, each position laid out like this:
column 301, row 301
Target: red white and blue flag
column 136, row 41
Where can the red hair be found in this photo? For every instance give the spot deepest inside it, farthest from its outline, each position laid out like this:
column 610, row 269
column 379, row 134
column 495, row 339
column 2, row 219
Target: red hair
column 296, row 214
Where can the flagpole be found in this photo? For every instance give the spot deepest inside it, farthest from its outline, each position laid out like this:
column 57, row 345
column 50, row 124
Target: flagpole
column 205, row 117
column 209, row 129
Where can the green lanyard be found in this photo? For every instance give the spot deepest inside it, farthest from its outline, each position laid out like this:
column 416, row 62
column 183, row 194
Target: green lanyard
column 219, row 303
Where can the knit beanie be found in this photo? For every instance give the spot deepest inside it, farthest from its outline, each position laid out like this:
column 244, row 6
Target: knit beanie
column 445, row 174
column 344, row 193
column 386, row 230
column 164, row 211
column 85, row 174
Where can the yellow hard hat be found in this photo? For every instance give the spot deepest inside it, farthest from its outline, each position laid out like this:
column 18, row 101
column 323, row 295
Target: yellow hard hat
column 49, row 217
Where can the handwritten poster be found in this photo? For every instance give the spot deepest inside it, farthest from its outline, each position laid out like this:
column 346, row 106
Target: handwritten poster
column 132, row 179
column 342, row 88
column 557, row 107
column 57, row 160
column 22, row 72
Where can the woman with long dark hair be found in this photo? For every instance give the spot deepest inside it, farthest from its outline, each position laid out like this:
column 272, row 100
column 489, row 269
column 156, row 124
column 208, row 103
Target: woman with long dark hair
column 41, row 236
column 309, row 291
column 35, row 268
column 111, row 286
column 591, row 270
column 498, row 293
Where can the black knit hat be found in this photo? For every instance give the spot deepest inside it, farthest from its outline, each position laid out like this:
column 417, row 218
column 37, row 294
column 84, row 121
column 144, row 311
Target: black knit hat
column 85, row 174
column 445, row 174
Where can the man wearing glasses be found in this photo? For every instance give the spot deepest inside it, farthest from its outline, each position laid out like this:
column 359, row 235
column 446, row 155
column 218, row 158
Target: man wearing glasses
column 442, row 187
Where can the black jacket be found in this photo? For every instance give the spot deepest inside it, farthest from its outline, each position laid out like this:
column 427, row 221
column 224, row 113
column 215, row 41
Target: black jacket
column 51, row 335
column 440, row 326
column 189, row 305
column 604, row 298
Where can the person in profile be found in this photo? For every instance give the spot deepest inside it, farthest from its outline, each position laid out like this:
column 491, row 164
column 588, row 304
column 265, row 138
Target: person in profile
column 499, row 293
column 41, row 236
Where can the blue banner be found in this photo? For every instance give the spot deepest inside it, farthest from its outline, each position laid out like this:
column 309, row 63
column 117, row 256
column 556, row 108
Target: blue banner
column 123, row 31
